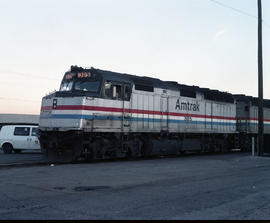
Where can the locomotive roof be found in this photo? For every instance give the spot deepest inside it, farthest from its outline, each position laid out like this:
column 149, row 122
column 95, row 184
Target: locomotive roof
column 157, row 83
column 254, row 101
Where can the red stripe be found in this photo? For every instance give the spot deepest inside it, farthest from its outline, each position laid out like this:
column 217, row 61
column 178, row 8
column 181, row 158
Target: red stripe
column 133, row 111
column 45, row 108
column 253, row 119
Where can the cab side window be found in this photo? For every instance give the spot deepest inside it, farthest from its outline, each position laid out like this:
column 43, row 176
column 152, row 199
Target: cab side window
column 108, row 90
column 113, row 90
column 21, row 131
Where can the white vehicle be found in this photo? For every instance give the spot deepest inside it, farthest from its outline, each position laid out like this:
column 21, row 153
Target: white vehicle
column 19, row 137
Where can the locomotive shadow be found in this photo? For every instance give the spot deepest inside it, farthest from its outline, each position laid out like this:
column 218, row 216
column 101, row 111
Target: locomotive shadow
column 156, row 157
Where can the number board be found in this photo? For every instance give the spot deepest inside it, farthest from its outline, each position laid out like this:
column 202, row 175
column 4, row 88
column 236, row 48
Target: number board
column 84, row 74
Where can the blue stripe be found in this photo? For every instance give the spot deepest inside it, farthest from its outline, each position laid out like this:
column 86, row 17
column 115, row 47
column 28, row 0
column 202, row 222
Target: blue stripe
column 255, row 124
column 119, row 118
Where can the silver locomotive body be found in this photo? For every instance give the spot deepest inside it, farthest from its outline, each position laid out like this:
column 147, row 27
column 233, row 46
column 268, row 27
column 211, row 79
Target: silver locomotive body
column 101, row 114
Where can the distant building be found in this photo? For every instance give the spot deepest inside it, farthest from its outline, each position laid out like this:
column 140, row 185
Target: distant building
column 11, row 119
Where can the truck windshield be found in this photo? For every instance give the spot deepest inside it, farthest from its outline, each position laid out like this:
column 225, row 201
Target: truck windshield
column 85, row 85
column 66, row 86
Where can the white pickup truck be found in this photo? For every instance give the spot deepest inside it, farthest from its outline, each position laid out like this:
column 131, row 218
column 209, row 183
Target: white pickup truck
column 15, row 138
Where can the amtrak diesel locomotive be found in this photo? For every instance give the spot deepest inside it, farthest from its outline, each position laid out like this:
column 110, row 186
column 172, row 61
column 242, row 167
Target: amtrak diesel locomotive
column 99, row 114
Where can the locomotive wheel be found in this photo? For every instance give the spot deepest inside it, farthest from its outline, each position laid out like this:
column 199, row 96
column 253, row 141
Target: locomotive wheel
column 182, row 152
column 129, row 154
column 135, row 149
column 7, row 148
column 65, row 156
column 147, row 148
column 97, row 149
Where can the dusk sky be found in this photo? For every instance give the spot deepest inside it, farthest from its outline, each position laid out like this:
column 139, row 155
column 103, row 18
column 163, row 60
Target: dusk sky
column 193, row 42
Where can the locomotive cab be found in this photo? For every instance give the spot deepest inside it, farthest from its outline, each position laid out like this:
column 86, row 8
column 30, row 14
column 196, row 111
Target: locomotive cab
column 88, row 101
column 81, row 83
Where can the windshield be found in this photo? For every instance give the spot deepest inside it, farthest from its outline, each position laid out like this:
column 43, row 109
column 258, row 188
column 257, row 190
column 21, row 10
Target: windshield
column 92, row 86
column 66, row 86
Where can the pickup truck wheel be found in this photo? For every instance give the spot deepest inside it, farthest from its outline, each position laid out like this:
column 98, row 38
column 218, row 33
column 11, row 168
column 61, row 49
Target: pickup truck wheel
column 17, row 150
column 7, row 148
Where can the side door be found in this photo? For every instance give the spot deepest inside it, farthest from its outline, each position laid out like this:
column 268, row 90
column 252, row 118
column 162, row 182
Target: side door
column 126, row 121
column 21, row 137
column 164, row 113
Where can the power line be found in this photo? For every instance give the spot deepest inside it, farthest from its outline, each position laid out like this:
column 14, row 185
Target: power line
column 28, row 75
column 234, row 9
column 239, row 11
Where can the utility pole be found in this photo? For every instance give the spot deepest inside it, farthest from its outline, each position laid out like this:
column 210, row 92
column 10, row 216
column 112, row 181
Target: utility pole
column 260, row 80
